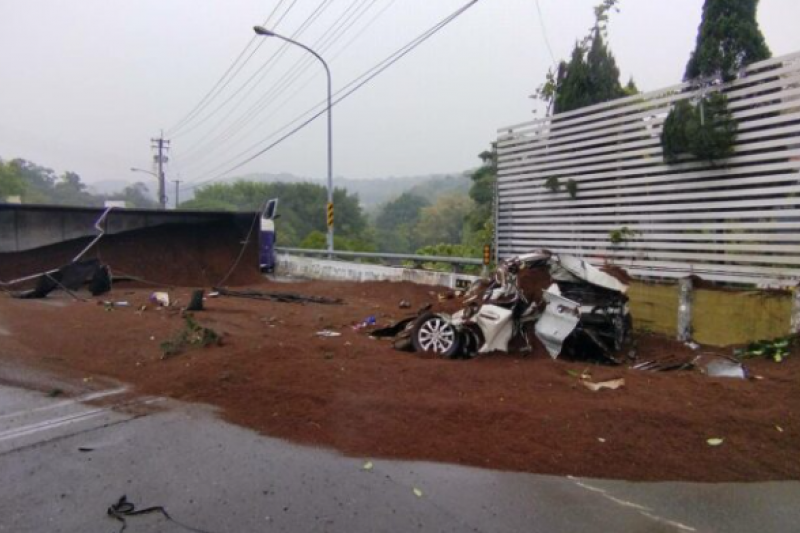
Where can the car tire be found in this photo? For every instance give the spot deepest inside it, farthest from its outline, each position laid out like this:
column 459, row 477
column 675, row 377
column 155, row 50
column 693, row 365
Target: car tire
column 433, row 333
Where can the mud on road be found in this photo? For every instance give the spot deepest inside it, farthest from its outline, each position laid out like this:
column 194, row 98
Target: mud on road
column 359, row 396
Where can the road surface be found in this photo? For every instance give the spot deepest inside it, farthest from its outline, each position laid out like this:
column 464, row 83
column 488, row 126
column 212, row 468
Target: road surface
column 65, row 460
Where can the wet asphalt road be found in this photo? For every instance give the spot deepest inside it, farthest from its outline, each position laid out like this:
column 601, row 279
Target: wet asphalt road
column 63, row 462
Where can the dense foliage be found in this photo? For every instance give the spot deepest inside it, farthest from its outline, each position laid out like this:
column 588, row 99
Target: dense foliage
column 40, row 185
column 705, row 130
column 301, row 207
column 591, row 76
column 728, row 40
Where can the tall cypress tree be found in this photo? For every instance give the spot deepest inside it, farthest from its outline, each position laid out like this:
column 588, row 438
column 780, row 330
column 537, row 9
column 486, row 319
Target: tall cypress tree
column 591, row 76
column 573, row 85
column 728, row 39
column 603, row 71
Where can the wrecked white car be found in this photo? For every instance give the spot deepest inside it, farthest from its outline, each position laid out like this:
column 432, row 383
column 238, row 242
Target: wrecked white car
column 567, row 303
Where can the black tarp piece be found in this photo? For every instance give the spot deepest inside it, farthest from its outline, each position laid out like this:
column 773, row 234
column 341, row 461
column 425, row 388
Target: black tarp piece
column 71, row 278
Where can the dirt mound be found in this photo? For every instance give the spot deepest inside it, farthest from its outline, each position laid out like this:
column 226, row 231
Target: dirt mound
column 358, row 395
column 172, row 255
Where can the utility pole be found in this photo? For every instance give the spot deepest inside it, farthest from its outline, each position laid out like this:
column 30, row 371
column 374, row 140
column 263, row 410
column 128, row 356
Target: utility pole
column 177, row 192
column 161, row 147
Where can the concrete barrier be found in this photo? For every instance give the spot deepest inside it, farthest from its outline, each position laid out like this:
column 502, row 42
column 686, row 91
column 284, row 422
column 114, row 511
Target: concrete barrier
column 331, row 270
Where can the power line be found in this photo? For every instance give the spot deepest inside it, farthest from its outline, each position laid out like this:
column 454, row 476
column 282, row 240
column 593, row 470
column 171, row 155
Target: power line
column 356, row 85
column 216, row 89
column 261, row 70
column 544, row 32
column 206, row 147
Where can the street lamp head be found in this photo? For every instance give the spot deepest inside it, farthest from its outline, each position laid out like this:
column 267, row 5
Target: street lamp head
column 261, row 30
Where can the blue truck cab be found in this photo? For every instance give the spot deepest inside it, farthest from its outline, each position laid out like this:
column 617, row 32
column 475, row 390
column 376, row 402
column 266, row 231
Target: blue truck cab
column 266, row 237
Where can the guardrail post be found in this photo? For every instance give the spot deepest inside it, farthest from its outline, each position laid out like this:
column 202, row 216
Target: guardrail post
column 685, row 309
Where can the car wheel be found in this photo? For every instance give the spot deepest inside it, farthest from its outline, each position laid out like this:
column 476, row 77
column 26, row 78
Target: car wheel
column 435, row 334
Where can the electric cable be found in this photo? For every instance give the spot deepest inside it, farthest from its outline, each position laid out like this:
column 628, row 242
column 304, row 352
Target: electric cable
column 261, row 70
column 354, row 86
column 188, row 117
column 212, row 141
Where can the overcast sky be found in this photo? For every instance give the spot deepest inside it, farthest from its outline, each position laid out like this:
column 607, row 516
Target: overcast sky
column 87, row 83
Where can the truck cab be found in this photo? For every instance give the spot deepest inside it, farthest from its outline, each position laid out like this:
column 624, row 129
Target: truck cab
column 266, row 237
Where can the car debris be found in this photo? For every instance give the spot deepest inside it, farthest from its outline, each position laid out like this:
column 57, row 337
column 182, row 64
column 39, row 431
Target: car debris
column 666, row 365
column 160, row 298
column 612, row 384
column 580, row 309
column 282, row 297
column 720, row 366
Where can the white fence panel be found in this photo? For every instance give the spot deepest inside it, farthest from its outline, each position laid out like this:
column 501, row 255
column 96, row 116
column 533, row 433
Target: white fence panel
column 737, row 221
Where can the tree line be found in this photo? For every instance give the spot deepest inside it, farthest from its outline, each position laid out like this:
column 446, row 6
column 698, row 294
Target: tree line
column 35, row 184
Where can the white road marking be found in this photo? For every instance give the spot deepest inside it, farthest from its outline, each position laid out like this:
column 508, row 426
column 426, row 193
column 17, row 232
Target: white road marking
column 80, row 399
column 69, row 419
column 644, row 511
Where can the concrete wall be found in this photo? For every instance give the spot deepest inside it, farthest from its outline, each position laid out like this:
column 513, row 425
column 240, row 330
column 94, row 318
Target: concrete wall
column 323, row 269
column 25, row 227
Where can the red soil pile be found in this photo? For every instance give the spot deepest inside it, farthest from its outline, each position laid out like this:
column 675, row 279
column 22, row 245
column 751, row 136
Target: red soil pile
column 359, row 396
column 173, row 255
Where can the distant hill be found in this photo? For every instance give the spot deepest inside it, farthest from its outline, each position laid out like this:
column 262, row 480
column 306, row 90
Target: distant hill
column 375, row 191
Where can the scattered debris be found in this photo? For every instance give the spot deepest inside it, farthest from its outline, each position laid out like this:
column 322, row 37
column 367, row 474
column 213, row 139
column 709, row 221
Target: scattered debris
column 196, row 301
column 417, row 492
column 367, row 322
column 55, row 393
column 404, row 304
column 85, row 449
column 611, row 384
column 328, row 333
column 160, row 298
column 192, row 334
column 715, row 441
column 719, row 366
column 108, row 304
column 282, row 297
column 666, row 365
column 68, row 278
column 367, row 466
column 123, row 509
column 780, row 429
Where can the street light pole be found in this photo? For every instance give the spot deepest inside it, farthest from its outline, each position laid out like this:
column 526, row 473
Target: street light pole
column 329, row 208
column 162, row 197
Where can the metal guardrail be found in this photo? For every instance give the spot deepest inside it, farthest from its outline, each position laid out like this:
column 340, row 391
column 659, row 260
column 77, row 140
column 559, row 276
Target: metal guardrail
column 392, row 259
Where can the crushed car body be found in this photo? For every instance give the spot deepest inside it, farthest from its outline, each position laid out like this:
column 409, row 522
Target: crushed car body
column 567, row 303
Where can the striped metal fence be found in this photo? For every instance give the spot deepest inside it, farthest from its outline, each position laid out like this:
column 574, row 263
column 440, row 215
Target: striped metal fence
column 734, row 221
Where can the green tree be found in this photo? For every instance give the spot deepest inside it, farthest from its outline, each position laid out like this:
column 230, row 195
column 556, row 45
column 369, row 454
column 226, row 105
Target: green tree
column 728, row 39
column 136, row 195
column 302, row 207
column 444, row 221
column 316, row 240
column 11, row 183
column 396, row 221
column 591, row 76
